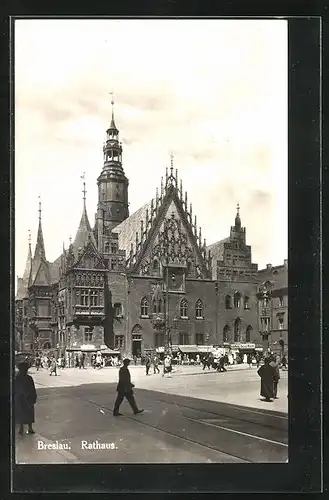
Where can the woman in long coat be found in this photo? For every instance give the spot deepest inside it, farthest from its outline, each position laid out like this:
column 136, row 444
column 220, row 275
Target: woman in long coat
column 267, row 375
column 25, row 399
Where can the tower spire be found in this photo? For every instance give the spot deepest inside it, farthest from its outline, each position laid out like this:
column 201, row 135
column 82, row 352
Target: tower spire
column 83, row 177
column 40, row 247
column 112, row 126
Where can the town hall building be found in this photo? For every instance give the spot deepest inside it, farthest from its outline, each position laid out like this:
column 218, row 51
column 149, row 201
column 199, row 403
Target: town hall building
column 141, row 281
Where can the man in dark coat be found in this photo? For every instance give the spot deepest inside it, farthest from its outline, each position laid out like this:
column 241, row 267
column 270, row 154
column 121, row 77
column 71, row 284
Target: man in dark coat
column 275, row 363
column 125, row 390
column 25, row 398
column 147, row 364
column 267, row 374
column 221, row 367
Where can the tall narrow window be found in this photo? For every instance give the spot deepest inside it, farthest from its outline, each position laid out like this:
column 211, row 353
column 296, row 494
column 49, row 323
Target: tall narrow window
column 228, row 302
column 226, row 331
column 237, row 300
column 248, row 333
column 199, row 309
column 246, row 303
column 154, row 304
column 144, row 307
column 84, row 297
column 117, row 310
column 183, row 308
column 107, row 247
column 237, row 330
column 281, row 303
column 93, row 298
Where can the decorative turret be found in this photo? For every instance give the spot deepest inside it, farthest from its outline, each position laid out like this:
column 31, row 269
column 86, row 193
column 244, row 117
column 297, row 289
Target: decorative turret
column 112, row 185
column 84, row 231
column 237, row 218
column 238, row 233
column 40, row 271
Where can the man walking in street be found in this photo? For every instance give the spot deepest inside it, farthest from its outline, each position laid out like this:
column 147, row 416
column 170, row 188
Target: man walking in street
column 125, row 390
column 147, row 364
column 156, row 364
column 221, row 367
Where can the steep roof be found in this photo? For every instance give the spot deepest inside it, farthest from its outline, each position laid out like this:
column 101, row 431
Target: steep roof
column 217, row 252
column 23, row 283
column 127, row 229
column 83, row 232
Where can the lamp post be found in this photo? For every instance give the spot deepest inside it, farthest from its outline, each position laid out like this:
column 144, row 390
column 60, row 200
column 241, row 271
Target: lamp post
column 265, row 316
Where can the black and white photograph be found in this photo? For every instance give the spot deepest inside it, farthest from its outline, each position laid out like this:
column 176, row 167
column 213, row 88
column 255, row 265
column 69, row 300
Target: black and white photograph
column 151, row 241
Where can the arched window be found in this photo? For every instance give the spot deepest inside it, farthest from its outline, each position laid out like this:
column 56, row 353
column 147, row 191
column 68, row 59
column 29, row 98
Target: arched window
column 144, row 307
column 246, row 303
column 183, row 308
column 237, row 299
column 228, row 302
column 281, row 302
column 237, row 330
column 248, row 333
column 199, row 309
column 154, row 306
column 226, row 331
column 107, row 247
column 160, row 306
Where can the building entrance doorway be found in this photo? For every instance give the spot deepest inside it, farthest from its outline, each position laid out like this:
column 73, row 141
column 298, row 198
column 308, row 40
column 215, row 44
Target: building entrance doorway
column 137, row 348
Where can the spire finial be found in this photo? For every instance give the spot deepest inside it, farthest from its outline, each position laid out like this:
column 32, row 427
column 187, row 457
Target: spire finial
column 83, row 177
column 29, row 232
column 70, row 240
column 39, row 208
column 112, row 102
column 238, row 208
column 171, row 163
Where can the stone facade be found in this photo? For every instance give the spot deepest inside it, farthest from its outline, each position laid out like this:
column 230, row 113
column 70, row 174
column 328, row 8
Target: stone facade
column 136, row 282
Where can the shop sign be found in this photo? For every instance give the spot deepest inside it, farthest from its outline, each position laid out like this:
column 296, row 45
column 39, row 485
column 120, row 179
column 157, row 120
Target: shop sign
column 240, row 345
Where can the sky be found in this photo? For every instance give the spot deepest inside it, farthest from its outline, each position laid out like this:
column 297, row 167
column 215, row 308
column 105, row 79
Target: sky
column 212, row 92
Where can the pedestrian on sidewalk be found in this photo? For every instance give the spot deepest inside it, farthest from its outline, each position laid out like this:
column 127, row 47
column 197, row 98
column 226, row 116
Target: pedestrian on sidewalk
column 25, row 399
column 147, row 364
column 38, row 362
column 275, row 363
column 267, row 373
column 167, row 368
column 125, row 390
column 53, row 366
column 249, row 360
column 156, row 364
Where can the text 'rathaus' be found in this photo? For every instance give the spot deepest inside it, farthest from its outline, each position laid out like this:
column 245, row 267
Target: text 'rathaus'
column 141, row 281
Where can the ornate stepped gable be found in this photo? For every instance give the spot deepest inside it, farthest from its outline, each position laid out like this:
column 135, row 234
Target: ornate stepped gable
column 164, row 230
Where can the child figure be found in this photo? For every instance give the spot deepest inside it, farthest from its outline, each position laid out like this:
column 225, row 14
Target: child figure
column 25, row 398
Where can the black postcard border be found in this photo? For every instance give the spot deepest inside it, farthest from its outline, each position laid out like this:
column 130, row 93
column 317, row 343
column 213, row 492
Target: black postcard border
column 303, row 472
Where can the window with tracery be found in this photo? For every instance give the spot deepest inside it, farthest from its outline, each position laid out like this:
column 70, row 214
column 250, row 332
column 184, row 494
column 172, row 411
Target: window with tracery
column 237, row 299
column 183, row 308
column 84, row 297
column 199, row 309
column 144, row 307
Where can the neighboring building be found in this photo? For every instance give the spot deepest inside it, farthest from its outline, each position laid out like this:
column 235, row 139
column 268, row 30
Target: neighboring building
column 237, row 287
column 125, row 282
column 273, row 305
